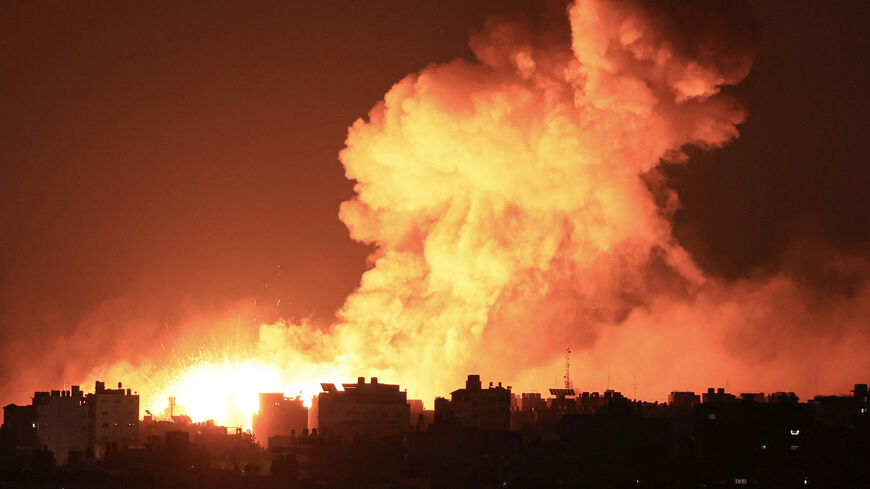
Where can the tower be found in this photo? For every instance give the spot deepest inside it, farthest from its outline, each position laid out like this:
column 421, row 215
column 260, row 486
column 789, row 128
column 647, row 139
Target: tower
column 568, row 369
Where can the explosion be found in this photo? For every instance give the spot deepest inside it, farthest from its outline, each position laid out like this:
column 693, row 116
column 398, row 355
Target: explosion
column 515, row 207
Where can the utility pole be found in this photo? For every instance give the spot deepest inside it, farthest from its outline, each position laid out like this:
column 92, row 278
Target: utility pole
column 568, row 368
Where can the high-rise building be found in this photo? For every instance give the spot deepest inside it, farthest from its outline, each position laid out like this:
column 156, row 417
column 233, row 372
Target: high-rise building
column 114, row 417
column 62, row 422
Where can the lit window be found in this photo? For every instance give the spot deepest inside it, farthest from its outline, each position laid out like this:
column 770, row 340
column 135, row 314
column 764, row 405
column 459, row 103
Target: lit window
column 794, row 448
column 741, row 482
column 711, row 416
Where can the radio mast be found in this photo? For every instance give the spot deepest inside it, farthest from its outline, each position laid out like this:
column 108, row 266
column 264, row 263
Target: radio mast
column 568, row 368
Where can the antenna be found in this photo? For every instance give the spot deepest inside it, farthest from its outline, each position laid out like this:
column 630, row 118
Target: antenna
column 568, row 368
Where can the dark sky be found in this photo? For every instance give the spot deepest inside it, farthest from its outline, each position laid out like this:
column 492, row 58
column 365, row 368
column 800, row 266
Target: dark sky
column 188, row 153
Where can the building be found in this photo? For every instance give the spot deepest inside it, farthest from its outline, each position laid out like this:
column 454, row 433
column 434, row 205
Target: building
column 67, row 421
column 19, row 424
column 279, row 416
column 683, row 399
column 718, row 396
column 421, row 418
column 474, row 407
column 369, row 410
column 590, row 402
column 62, row 422
column 532, row 401
column 114, row 418
column 843, row 411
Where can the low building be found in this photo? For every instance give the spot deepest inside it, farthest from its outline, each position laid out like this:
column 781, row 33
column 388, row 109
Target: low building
column 717, row 396
column 19, row 424
column 368, row 410
column 683, row 399
column 475, row 407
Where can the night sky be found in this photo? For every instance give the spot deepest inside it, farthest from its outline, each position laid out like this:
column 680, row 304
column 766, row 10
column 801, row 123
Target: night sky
column 185, row 156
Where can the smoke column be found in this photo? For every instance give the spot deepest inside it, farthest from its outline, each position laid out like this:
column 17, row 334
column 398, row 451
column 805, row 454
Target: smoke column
column 516, row 208
column 509, row 200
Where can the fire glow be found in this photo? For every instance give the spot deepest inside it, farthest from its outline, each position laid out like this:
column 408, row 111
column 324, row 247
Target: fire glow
column 224, row 389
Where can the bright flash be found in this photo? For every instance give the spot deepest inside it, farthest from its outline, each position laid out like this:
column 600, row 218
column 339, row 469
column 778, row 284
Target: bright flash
column 225, row 391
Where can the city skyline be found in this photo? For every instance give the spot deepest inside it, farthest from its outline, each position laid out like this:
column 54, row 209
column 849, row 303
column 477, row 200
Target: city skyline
column 370, row 432
column 173, row 408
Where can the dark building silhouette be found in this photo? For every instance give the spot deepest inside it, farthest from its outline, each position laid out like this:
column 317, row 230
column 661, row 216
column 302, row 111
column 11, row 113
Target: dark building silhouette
column 68, row 423
column 279, row 416
column 370, row 410
column 718, row 396
column 421, row 418
column 19, row 424
column 62, row 422
column 474, row 407
column 843, row 411
column 683, row 399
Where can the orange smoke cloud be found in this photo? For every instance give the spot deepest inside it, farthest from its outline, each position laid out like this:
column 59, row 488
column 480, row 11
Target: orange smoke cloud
column 507, row 198
column 516, row 209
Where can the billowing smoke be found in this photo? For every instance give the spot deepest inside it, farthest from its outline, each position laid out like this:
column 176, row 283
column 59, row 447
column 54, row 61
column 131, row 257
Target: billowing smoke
column 509, row 200
column 515, row 208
